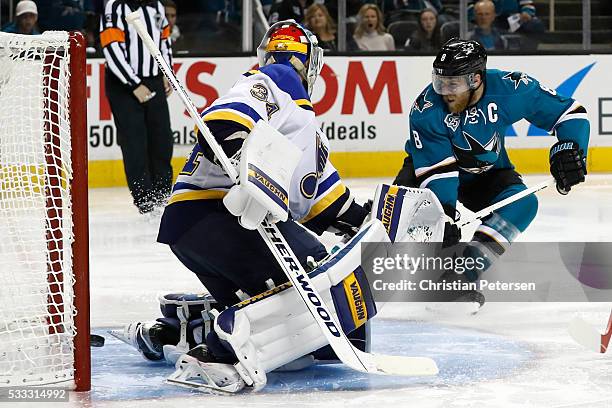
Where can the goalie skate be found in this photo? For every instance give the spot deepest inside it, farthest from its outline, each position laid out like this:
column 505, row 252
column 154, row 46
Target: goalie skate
column 142, row 336
column 208, row 377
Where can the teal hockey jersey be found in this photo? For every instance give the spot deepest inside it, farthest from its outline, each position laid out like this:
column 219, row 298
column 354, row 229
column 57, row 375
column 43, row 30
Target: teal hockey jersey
column 448, row 149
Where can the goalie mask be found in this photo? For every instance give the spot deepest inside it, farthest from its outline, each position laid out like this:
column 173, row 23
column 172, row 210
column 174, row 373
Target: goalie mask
column 288, row 43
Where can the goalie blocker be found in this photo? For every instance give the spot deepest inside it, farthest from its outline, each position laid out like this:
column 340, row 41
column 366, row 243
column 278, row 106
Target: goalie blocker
column 264, row 179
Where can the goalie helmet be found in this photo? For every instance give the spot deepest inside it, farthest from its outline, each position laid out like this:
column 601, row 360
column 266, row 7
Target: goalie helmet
column 456, row 64
column 288, row 43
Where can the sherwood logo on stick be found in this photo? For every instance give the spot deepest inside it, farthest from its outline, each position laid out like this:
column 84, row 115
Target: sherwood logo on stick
column 301, row 278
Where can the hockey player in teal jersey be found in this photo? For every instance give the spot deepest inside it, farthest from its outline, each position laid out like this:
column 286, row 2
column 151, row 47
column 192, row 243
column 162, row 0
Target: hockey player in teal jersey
column 456, row 142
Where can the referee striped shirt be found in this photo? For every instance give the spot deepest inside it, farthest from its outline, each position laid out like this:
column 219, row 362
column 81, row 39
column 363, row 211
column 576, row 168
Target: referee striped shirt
column 126, row 55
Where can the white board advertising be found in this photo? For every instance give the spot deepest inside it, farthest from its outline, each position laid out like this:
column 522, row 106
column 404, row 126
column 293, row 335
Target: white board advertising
column 363, row 102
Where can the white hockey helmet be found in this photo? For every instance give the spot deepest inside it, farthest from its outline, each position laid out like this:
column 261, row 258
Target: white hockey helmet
column 289, row 43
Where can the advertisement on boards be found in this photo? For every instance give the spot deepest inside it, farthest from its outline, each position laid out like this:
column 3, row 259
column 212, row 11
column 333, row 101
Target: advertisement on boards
column 362, row 103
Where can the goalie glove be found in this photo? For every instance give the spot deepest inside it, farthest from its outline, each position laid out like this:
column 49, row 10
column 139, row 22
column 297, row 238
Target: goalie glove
column 567, row 165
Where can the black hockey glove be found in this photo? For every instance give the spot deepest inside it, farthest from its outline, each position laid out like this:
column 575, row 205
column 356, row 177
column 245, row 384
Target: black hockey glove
column 348, row 224
column 567, row 165
column 406, row 176
column 452, row 232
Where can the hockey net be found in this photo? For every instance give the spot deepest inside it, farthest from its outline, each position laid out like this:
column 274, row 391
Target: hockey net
column 44, row 329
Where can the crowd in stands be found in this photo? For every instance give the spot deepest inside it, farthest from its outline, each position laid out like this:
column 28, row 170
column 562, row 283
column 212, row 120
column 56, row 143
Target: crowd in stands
column 415, row 25
column 36, row 16
column 372, row 25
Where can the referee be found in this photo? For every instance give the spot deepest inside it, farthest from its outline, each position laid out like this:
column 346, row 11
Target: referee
column 137, row 92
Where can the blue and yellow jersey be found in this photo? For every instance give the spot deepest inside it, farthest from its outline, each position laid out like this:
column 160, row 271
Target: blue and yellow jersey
column 450, row 148
column 275, row 94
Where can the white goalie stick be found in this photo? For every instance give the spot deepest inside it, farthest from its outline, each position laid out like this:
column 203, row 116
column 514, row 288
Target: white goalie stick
column 486, row 211
column 346, row 352
column 588, row 336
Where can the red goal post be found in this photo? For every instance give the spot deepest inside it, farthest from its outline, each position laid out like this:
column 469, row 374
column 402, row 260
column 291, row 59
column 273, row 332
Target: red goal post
column 44, row 255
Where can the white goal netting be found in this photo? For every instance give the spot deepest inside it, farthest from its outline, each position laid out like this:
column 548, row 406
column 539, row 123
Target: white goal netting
column 36, row 312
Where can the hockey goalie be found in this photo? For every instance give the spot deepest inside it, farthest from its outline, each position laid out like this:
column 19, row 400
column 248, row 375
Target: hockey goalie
column 253, row 321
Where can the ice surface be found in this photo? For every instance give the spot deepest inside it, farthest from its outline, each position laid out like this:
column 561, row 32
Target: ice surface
column 129, row 270
column 120, row 373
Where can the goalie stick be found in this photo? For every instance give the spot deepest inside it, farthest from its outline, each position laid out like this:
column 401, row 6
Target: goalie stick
column 588, row 337
column 346, row 352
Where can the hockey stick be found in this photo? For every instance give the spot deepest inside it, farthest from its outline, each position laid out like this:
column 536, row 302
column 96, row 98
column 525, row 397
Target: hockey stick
column 346, row 352
column 588, row 337
column 486, row 211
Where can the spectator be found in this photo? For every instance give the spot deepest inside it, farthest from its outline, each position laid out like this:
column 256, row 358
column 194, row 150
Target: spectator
column 286, row 9
column 137, row 92
column 170, row 8
column 484, row 32
column 62, row 14
column 26, row 15
column 525, row 13
column 525, row 22
column 370, row 34
column 318, row 20
column 427, row 37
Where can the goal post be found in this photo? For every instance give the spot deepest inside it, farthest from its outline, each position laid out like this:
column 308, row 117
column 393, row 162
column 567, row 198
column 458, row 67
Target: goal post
column 44, row 259
column 78, row 114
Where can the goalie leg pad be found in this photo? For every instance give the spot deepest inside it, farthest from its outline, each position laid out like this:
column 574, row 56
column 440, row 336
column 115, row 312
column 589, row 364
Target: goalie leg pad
column 274, row 328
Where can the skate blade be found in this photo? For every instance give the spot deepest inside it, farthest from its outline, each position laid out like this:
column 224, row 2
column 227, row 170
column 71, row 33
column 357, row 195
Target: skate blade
column 190, row 374
column 118, row 334
column 205, row 388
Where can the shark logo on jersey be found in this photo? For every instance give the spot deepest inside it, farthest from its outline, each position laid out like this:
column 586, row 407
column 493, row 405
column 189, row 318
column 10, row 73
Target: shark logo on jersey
column 452, row 121
column 422, row 103
column 518, row 78
column 477, row 158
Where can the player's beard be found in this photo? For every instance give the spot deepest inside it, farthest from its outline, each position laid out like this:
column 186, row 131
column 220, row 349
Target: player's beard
column 457, row 103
